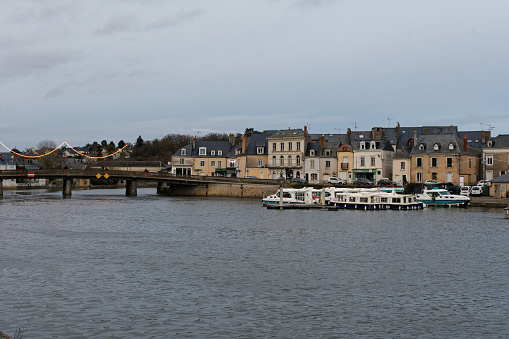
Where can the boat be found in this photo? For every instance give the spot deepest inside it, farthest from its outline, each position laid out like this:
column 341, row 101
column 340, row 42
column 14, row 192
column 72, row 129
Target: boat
column 442, row 197
column 374, row 200
column 293, row 196
column 506, row 215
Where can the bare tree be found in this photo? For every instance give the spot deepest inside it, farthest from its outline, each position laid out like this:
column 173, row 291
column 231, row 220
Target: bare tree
column 51, row 160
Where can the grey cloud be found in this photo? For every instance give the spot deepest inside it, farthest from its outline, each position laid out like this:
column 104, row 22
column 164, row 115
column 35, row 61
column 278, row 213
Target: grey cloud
column 21, row 64
column 118, row 24
column 313, row 3
column 173, row 21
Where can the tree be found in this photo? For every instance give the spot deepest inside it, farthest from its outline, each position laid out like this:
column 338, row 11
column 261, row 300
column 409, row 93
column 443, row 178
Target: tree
column 121, row 144
column 110, row 148
column 104, row 143
column 51, row 160
column 139, row 142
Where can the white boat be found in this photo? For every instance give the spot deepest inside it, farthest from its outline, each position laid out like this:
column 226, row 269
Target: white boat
column 374, row 200
column 442, row 197
column 294, row 196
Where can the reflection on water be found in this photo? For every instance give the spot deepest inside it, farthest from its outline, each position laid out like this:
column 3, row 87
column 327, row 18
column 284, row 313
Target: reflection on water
column 101, row 264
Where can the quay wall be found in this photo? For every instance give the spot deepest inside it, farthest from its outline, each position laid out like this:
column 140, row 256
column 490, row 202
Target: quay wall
column 219, row 190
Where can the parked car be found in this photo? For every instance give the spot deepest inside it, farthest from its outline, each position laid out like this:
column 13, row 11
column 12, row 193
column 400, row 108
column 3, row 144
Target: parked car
column 298, row 180
column 362, row 182
column 476, row 190
column 431, row 182
column 386, row 183
column 483, row 183
column 453, row 189
column 465, row 190
column 336, row 181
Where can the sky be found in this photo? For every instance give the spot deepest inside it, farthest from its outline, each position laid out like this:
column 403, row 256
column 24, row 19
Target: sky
column 84, row 71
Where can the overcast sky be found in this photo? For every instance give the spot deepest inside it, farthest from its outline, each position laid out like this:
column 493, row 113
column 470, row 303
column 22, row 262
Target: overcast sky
column 84, row 71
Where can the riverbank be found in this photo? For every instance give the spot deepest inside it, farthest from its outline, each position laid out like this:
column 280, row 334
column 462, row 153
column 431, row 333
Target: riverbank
column 491, row 202
column 4, row 336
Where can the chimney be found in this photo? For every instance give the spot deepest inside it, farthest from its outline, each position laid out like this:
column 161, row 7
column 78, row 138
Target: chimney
column 465, row 143
column 231, row 139
column 305, row 130
column 244, row 143
column 322, row 142
column 398, row 131
column 486, row 136
column 194, row 143
column 415, row 138
column 349, row 136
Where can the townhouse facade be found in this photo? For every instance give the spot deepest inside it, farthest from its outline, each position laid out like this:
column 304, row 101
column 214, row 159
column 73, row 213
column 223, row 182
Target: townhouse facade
column 252, row 159
column 286, row 151
column 495, row 157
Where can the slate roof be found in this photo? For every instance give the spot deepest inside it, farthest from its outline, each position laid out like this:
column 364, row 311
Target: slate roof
column 443, row 140
column 501, row 179
column 501, row 141
column 216, row 146
column 288, row 133
column 256, row 140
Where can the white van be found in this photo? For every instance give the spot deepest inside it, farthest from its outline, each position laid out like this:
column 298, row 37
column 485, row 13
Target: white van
column 465, row 190
column 476, row 190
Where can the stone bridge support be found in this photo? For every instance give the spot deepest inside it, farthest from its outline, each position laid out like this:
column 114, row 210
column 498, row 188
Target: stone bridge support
column 131, row 188
column 67, row 188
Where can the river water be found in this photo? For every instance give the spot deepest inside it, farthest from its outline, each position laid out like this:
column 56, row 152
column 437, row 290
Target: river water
column 104, row 265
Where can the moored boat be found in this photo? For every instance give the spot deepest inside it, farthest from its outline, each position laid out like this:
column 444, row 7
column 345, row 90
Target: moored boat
column 442, row 197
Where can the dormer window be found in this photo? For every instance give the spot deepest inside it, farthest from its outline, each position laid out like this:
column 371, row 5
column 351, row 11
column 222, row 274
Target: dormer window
column 373, row 145
column 451, row 146
column 202, row 151
column 183, row 151
column 436, row 147
column 327, row 153
column 212, row 152
column 312, row 153
column 259, row 150
column 363, row 145
column 422, row 147
column 490, row 143
column 219, row 152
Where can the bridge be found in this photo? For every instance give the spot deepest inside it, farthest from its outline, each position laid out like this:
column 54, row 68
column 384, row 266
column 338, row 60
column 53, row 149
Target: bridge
column 168, row 184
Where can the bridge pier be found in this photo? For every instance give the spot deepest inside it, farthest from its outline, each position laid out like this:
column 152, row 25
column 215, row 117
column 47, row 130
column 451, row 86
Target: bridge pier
column 67, row 188
column 131, row 188
column 163, row 187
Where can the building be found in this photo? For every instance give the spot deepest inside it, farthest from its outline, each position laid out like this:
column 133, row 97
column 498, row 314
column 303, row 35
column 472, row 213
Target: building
column 253, row 157
column 496, row 157
column 286, row 151
column 445, row 158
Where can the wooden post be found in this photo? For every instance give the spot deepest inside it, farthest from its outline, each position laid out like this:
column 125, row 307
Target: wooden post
column 67, row 189
column 1, row 188
column 131, row 188
column 280, row 197
column 323, row 197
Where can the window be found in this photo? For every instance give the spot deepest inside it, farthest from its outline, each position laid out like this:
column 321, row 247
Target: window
column 327, row 153
column 434, row 175
column 419, row 162
column 181, row 161
column 212, row 163
column 451, row 146
column 489, row 159
column 312, row 153
column 274, row 161
column 311, row 164
column 373, row 145
column 202, row 151
column 314, row 176
column 183, row 151
column 220, row 164
column 212, row 152
column 282, row 161
column 273, row 147
column 363, row 145
column 448, row 163
column 282, row 146
column 260, row 162
column 422, row 147
column 435, row 147
column 469, row 162
column 327, row 164
column 289, row 160
column 418, row 177
column 259, row 150
column 202, row 163
column 434, row 162
column 363, row 161
column 298, row 145
column 402, row 165
column 290, row 146
column 298, row 160
column 219, row 152
column 373, row 161
column 345, row 149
